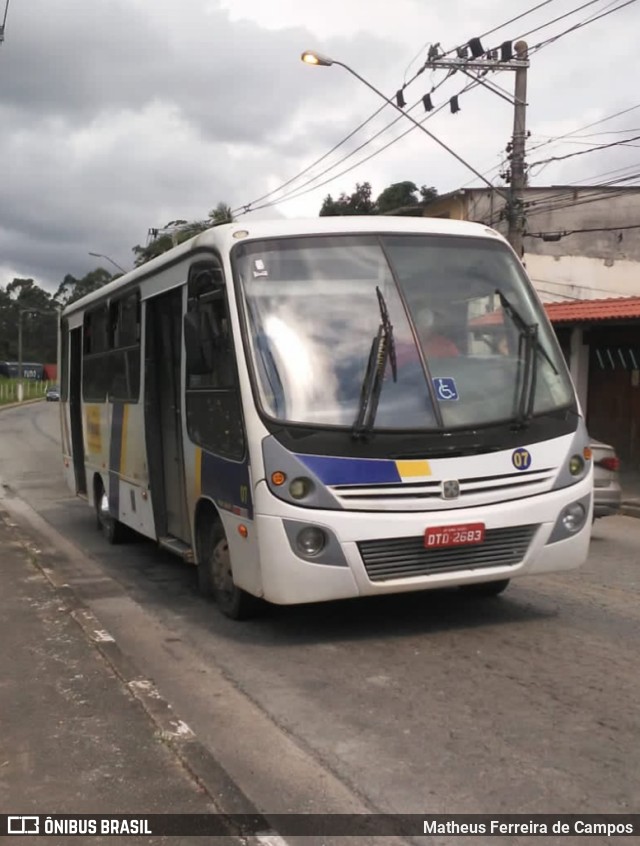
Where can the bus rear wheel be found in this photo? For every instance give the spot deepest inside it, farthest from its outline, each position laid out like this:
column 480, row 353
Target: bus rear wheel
column 112, row 529
column 215, row 577
column 487, row 588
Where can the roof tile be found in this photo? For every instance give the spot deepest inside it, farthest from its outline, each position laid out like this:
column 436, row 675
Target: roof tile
column 585, row 311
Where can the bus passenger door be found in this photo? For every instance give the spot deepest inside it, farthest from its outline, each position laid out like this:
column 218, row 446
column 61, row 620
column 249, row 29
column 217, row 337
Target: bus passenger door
column 75, row 409
column 163, row 414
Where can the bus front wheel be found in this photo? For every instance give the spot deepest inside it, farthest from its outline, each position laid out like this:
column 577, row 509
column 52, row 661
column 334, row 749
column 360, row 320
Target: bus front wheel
column 215, row 577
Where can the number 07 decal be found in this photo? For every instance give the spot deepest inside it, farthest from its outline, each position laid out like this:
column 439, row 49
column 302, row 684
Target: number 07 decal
column 521, row 459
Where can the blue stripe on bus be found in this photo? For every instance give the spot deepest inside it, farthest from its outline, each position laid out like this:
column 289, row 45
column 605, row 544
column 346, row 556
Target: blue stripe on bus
column 115, row 451
column 227, row 484
column 351, row 471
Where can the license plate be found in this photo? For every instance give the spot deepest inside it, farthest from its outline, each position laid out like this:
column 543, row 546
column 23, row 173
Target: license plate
column 464, row 534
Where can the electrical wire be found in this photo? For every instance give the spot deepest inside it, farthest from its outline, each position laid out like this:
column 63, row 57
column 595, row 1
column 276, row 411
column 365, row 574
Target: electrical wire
column 250, row 206
column 561, row 17
column 581, row 152
column 578, row 26
column 588, row 126
column 566, row 233
column 300, row 190
column 254, row 205
column 4, row 21
column 579, row 287
column 294, row 194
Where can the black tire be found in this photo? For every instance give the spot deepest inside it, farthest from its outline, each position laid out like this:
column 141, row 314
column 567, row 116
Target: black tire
column 113, row 530
column 487, row 588
column 215, row 578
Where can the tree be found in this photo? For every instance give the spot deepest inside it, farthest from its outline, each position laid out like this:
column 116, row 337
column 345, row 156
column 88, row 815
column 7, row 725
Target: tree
column 39, row 326
column 179, row 231
column 396, row 197
column 399, row 195
column 72, row 289
column 359, row 202
column 221, row 214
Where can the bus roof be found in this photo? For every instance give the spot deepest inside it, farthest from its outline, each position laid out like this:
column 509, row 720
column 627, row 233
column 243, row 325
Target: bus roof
column 225, row 236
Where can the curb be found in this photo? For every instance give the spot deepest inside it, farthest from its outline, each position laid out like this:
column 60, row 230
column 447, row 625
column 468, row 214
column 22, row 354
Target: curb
column 196, row 759
column 18, row 404
column 630, row 509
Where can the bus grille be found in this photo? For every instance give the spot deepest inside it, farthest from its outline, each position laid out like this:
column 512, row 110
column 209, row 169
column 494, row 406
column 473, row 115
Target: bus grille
column 405, row 558
column 422, row 496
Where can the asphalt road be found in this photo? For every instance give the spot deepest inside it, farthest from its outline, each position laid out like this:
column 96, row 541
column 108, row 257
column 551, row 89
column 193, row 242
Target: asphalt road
column 527, row 703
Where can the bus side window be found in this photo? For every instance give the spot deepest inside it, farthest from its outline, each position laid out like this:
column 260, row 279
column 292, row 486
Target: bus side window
column 213, row 405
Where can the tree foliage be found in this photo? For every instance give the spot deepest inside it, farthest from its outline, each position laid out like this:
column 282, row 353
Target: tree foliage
column 24, row 300
column 359, row 202
column 400, row 196
column 179, row 231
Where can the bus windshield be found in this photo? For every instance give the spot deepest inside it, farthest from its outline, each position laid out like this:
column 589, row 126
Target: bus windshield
column 472, row 344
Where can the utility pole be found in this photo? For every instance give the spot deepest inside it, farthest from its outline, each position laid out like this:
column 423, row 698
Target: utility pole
column 20, row 378
column 515, row 212
column 482, row 61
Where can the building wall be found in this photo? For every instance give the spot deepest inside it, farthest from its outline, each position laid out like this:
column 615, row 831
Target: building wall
column 583, row 265
column 560, row 278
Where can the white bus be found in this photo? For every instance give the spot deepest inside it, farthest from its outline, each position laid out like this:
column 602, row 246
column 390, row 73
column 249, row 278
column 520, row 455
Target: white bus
column 332, row 408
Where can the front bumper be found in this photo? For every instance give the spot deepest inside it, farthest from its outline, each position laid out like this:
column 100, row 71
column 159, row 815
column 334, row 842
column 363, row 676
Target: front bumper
column 288, row 579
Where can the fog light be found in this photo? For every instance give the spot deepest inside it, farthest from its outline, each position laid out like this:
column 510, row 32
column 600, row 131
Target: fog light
column 573, row 517
column 311, row 540
column 299, row 488
column 576, row 465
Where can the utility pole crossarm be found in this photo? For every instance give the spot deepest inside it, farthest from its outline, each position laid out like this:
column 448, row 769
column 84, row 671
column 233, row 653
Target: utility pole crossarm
column 477, row 64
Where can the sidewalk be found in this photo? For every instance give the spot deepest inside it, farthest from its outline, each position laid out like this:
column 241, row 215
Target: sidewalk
column 72, row 737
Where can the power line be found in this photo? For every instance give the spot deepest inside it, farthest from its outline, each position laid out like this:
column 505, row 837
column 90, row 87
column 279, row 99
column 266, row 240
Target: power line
column 580, row 287
column 249, row 206
column 302, row 190
column 583, row 24
column 295, row 193
column 560, row 17
column 582, row 152
column 4, row 21
column 588, row 126
column 545, row 235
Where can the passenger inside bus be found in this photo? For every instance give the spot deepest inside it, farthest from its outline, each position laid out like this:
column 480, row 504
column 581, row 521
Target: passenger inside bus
column 435, row 343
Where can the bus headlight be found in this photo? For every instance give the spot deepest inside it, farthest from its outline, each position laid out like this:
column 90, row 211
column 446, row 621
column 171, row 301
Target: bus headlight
column 311, row 541
column 576, row 465
column 301, row 487
column 573, row 517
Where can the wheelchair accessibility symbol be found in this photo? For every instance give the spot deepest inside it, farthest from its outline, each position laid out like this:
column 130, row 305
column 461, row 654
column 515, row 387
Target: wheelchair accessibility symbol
column 446, row 388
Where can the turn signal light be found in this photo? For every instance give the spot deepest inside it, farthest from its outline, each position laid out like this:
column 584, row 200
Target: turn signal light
column 278, row 478
column 587, row 454
column 242, row 530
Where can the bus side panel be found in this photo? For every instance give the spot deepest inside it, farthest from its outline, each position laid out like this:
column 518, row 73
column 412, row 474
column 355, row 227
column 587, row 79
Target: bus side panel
column 129, row 498
column 227, row 484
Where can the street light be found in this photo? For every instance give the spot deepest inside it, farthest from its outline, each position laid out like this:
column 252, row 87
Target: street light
column 311, row 57
column 114, row 263
column 22, row 311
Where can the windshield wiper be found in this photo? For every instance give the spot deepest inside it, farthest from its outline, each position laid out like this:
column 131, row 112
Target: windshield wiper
column 529, row 347
column 383, row 350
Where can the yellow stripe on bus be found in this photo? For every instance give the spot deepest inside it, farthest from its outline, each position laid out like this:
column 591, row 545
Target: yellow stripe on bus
column 411, row 469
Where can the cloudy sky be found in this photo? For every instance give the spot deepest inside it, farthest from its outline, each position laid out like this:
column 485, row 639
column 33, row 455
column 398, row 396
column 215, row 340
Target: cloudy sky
column 121, row 115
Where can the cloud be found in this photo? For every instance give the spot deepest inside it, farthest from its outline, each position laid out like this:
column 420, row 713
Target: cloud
column 120, row 115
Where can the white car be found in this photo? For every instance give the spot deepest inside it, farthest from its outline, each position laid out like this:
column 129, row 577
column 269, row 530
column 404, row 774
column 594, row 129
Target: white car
column 607, row 494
